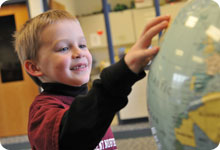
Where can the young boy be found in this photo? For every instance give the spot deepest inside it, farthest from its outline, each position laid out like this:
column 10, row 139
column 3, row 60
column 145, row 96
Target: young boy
column 53, row 51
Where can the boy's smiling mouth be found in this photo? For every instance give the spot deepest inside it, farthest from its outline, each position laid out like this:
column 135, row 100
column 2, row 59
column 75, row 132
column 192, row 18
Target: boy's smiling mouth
column 79, row 67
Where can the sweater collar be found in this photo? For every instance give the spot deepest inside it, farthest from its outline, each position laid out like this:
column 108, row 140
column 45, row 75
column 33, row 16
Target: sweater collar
column 62, row 89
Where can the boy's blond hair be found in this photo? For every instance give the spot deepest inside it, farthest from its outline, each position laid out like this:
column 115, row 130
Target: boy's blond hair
column 28, row 39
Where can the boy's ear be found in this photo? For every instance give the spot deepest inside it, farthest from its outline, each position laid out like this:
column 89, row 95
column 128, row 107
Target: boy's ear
column 31, row 67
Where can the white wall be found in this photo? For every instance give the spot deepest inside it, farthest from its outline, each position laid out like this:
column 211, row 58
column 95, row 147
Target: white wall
column 70, row 5
column 83, row 7
column 36, row 7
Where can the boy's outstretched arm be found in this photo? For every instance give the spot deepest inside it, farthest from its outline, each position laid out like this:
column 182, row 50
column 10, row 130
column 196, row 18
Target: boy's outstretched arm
column 89, row 116
column 139, row 56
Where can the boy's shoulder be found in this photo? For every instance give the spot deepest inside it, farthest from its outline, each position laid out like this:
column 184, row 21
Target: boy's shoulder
column 48, row 101
column 45, row 116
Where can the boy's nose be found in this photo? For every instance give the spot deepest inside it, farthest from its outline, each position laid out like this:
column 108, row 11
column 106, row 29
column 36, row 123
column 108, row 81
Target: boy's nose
column 76, row 53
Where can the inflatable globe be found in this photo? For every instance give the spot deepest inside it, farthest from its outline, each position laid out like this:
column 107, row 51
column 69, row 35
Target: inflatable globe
column 184, row 81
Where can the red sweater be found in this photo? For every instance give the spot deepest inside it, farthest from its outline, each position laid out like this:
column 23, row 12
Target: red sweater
column 44, row 123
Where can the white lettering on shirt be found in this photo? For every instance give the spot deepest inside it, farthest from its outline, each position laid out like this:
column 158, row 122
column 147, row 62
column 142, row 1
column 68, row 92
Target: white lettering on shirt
column 105, row 144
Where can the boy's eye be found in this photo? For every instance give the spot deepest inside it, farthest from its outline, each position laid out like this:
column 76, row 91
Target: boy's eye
column 63, row 49
column 82, row 46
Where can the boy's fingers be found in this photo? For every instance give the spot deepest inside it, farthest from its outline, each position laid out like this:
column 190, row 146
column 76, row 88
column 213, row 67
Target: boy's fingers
column 151, row 52
column 148, row 53
column 138, row 59
column 147, row 37
column 155, row 21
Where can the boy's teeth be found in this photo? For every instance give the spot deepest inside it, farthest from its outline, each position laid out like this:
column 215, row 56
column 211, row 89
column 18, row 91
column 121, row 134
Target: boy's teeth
column 79, row 67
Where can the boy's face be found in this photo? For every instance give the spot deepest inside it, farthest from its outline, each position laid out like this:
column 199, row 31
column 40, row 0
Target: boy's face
column 64, row 56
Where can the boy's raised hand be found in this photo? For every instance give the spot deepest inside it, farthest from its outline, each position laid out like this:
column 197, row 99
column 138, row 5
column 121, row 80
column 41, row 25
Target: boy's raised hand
column 139, row 56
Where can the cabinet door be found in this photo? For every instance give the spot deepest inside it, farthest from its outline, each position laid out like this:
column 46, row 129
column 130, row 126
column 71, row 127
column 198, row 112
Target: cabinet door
column 137, row 102
column 94, row 30
column 17, row 90
column 141, row 17
column 122, row 28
